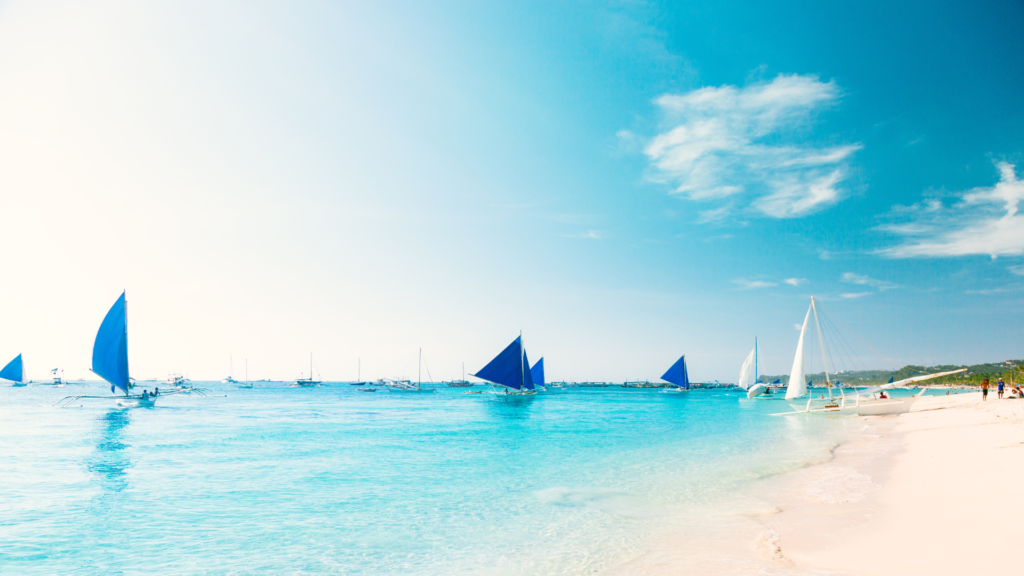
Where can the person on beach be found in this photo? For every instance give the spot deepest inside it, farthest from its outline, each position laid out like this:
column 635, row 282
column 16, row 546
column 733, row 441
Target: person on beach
column 999, row 388
column 984, row 389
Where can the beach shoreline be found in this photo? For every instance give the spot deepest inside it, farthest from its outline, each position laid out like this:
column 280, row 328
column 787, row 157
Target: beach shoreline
column 910, row 494
column 922, row 494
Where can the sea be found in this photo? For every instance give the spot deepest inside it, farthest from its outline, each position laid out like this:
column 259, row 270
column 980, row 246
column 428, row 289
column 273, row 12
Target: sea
column 330, row 480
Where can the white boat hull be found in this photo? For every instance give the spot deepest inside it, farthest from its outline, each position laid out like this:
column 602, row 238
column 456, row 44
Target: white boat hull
column 756, row 390
column 135, row 402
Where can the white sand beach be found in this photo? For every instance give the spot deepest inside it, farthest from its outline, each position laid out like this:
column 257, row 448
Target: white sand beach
column 930, row 492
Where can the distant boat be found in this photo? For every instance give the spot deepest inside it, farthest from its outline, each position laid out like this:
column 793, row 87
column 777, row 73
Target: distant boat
column 677, row 375
column 231, row 375
column 510, row 369
column 176, row 382
column 366, row 389
column 307, row 382
column 406, row 385
column 58, row 380
column 359, row 375
column 460, row 383
column 14, row 371
column 247, row 383
column 748, row 374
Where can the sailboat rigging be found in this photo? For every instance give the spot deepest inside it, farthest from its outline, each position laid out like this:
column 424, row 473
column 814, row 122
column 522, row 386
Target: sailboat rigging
column 861, row 403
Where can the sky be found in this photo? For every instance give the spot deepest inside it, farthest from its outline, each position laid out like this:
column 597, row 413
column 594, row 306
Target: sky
column 621, row 182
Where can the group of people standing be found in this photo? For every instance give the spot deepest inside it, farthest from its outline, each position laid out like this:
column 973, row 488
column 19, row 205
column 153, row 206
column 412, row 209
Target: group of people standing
column 1000, row 388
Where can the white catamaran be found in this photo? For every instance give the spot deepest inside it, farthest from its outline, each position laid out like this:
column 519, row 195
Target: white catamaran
column 861, row 403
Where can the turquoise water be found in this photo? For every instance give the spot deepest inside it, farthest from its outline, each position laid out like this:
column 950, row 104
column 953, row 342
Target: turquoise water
column 278, row 480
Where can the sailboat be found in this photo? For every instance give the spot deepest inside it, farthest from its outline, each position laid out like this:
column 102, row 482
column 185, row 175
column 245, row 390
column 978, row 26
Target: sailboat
column 247, row 383
column 757, row 388
column 14, row 371
column 231, row 375
column 307, row 382
column 510, row 369
column 460, row 383
column 110, row 360
column 359, row 375
column 407, row 386
column 863, row 403
column 677, row 375
column 537, row 373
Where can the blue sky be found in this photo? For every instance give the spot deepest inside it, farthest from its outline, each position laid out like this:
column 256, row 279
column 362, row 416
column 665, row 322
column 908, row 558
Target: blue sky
column 624, row 182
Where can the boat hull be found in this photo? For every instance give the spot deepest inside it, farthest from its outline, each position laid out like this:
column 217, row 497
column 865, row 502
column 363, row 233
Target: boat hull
column 135, row 402
column 757, row 390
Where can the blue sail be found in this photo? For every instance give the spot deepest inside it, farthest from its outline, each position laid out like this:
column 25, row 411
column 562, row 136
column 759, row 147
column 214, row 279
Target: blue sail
column 777, row 381
column 507, row 367
column 677, row 373
column 14, row 370
column 537, row 372
column 110, row 351
column 527, row 374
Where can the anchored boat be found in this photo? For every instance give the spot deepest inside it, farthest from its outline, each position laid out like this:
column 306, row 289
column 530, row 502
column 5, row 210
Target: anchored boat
column 864, row 403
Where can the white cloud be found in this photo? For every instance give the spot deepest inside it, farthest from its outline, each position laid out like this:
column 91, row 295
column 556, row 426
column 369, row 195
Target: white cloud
column 981, row 221
column 851, row 278
column 752, row 284
column 1018, row 270
column 855, row 295
column 795, row 281
column 724, row 142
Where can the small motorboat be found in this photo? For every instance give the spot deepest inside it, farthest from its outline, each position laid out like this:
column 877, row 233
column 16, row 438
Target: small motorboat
column 366, row 389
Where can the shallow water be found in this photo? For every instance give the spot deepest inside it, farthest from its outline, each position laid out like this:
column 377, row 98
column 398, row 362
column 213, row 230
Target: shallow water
column 330, row 480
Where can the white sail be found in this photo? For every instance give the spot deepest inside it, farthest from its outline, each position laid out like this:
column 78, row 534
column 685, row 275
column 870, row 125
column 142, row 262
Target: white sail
column 744, row 381
column 797, row 385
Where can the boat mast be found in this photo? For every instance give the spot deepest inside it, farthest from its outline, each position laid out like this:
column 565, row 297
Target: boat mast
column 755, row 359
column 127, row 384
column 824, row 361
column 522, row 352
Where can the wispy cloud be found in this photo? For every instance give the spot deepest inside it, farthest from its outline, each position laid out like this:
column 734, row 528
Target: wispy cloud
column 588, row 235
column 795, row 281
column 851, row 278
column 753, row 284
column 851, row 295
column 981, row 221
column 1018, row 270
column 724, row 142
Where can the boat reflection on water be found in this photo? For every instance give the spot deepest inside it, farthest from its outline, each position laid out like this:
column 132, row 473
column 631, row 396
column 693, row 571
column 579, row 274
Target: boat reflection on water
column 110, row 463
